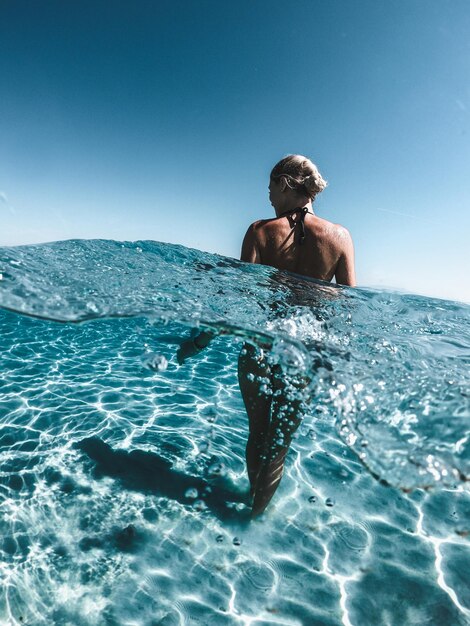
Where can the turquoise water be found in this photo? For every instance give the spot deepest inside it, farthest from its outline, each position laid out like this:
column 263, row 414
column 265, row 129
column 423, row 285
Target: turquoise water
column 123, row 489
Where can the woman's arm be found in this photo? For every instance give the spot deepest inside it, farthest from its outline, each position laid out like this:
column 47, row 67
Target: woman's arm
column 250, row 248
column 190, row 347
column 345, row 273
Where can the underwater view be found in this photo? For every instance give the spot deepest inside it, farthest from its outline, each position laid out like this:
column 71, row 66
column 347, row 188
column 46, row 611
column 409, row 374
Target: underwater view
column 123, row 485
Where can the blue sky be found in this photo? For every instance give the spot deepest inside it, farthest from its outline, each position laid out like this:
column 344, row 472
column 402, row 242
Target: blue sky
column 162, row 120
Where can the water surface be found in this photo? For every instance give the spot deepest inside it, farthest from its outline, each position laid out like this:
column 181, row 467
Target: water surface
column 122, row 476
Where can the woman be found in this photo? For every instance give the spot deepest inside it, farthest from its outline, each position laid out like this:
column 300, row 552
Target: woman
column 299, row 241
column 296, row 239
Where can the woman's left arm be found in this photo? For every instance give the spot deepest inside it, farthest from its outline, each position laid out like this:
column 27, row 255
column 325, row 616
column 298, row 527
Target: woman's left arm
column 190, row 347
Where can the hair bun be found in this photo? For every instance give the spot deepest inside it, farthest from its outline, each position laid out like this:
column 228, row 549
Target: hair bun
column 314, row 183
column 301, row 174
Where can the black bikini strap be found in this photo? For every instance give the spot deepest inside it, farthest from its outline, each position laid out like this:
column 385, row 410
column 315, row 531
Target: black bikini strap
column 303, row 212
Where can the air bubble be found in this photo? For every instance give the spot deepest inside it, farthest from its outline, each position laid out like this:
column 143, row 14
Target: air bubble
column 156, row 362
column 211, row 414
column 265, row 390
column 191, row 493
column 215, row 469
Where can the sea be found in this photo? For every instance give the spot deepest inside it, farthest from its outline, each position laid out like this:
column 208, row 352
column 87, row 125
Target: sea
column 124, row 498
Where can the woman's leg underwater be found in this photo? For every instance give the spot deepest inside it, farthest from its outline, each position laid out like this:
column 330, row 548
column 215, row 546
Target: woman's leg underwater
column 253, row 373
column 287, row 410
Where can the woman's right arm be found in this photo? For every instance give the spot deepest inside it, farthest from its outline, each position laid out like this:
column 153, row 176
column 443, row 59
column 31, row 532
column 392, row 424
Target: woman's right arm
column 250, row 248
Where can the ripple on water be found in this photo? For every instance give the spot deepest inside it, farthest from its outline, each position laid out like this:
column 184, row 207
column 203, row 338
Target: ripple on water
column 261, row 577
column 354, row 537
column 347, row 546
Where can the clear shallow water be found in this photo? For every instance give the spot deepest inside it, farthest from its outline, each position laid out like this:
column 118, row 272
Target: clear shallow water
column 123, row 486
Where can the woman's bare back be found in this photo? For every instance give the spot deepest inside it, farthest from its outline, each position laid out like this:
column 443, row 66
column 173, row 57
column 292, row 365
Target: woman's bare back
column 325, row 252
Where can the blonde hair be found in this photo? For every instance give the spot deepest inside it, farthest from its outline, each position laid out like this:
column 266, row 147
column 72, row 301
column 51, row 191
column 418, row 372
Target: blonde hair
column 301, row 175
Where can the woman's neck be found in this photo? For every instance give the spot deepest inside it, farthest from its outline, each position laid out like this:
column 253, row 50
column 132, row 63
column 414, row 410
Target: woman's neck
column 295, row 204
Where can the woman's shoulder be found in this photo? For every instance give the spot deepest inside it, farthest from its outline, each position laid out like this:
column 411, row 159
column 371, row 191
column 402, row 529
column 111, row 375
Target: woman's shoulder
column 260, row 224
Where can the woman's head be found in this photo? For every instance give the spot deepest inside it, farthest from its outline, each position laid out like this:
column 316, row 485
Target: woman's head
column 300, row 175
